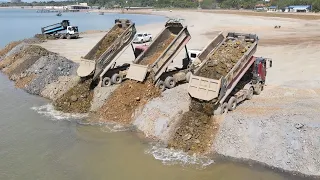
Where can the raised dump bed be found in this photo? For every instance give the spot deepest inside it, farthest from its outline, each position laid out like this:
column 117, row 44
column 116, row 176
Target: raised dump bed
column 226, row 64
column 103, row 55
column 160, row 54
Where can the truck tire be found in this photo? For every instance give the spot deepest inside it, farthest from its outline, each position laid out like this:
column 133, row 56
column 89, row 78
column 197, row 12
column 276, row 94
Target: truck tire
column 232, row 103
column 116, row 79
column 61, row 36
column 258, row 90
column 250, row 93
column 160, row 85
column 170, row 82
column 68, row 36
column 150, row 39
column 106, row 81
column 224, row 108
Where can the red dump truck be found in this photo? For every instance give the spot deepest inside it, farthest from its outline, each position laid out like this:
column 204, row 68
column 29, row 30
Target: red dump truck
column 247, row 76
column 177, row 36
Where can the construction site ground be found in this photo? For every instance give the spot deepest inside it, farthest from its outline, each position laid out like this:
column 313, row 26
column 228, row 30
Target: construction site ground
column 280, row 127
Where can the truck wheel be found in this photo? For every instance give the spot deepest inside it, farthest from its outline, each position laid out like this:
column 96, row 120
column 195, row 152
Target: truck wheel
column 258, row 90
column 224, row 108
column 116, row 79
column 106, row 82
column 68, row 36
column 160, row 85
column 61, row 36
column 170, row 82
column 250, row 93
column 150, row 39
column 232, row 103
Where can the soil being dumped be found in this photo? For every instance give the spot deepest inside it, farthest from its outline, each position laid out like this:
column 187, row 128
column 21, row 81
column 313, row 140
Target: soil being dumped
column 77, row 99
column 194, row 133
column 224, row 59
column 123, row 102
column 160, row 48
column 107, row 41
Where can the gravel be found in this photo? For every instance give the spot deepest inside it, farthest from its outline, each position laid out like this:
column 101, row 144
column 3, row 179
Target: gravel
column 48, row 69
column 160, row 115
column 282, row 132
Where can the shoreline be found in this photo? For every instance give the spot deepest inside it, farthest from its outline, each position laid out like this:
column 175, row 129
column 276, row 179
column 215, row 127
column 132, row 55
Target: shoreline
column 204, row 38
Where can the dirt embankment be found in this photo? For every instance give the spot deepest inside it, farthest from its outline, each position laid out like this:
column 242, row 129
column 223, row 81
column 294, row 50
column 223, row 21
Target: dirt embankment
column 223, row 60
column 8, row 48
column 33, row 69
column 107, row 41
column 160, row 48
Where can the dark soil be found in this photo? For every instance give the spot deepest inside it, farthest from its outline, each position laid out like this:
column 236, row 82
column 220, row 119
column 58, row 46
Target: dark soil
column 160, row 48
column 123, row 102
column 224, row 59
column 107, row 41
column 76, row 100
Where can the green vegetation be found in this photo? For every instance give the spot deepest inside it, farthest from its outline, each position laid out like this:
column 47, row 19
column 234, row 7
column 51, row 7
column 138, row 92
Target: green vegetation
column 205, row 4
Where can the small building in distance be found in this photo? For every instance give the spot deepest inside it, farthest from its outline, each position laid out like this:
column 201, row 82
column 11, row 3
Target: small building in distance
column 299, row 8
column 80, row 6
column 15, row 1
column 272, row 8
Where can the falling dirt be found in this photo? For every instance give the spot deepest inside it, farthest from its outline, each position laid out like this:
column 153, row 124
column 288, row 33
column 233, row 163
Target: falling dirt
column 159, row 50
column 77, row 99
column 107, row 41
column 129, row 96
column 9, row 47
column 224, row 59
column 22, row 82
column 196, row 130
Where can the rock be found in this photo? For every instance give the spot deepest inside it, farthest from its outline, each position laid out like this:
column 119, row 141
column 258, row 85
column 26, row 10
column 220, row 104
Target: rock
column 197, row 141
column 84, row 96
column 187, row 137
column 298, row 125
column 290, row 151
column 137, row 98
column 73, row 98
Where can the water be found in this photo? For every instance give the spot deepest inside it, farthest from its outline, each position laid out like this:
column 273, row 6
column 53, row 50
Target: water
column 38, row 143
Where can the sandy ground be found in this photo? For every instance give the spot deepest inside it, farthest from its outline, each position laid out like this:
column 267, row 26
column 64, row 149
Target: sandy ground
column 294, row 49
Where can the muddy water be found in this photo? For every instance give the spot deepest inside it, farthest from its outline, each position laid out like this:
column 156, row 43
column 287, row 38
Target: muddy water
column 38, row 146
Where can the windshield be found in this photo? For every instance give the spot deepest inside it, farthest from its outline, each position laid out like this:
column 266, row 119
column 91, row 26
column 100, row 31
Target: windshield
column 139, row 35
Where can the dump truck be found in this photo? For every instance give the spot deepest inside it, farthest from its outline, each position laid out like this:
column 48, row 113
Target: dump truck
column 57, row 28
column 246, row 77
column 160, row 54
column 101, row 60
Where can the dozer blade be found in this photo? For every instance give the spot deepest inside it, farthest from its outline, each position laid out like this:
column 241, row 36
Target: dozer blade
column 86, row 68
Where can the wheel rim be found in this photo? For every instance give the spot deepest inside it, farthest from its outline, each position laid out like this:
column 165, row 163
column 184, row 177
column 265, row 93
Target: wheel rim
column 171, row 83
column 234, row 105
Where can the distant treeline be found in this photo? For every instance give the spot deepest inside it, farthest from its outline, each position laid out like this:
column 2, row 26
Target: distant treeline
column 35, row 3
column 205, row 4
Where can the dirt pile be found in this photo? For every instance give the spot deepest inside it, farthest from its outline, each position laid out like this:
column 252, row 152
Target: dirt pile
column 123, row 102
column 224, row 59
column 24, row 81
column 19, row 62
column 77, row 99
column 44, row 37
column 8, row 48
column 194, row 133
column 160, row 48
column 107, row 41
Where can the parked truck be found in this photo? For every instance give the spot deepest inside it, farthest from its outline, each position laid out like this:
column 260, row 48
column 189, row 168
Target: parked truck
column 101, row 60
column 56, row 30
column 246, row 77
column 160, row 54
